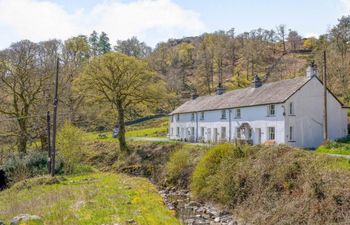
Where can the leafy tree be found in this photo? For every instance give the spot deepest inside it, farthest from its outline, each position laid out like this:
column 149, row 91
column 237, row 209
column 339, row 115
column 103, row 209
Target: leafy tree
column 123, row 81
column 21, row 82
column 133, row 47
column 294, row 39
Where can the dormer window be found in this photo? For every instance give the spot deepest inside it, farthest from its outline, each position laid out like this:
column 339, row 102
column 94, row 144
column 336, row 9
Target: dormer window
column 202, row 115
column 238, row 113
column 192, row 116
column 271, row 110
column 172, row 118
column 223, row 114
column 177, row 117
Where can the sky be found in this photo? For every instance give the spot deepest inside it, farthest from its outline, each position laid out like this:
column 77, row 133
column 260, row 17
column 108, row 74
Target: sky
column 153, row 21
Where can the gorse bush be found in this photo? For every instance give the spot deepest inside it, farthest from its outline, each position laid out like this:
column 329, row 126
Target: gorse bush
column 178, row 167
column 70, row 147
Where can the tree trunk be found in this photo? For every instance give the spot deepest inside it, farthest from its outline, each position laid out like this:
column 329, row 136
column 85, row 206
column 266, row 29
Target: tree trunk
column 121, row 137
column 22, row 137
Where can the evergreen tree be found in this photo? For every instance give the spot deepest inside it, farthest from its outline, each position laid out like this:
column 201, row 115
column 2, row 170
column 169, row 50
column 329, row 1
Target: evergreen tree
column 103, row 45
column 94, row 43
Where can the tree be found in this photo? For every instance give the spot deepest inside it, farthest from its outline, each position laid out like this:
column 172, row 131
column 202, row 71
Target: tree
column 281, row 31
column 122, row 81
column 20, row 86
column 133, row 47
column 294, row 39
column 103, row 44
column 94, row 43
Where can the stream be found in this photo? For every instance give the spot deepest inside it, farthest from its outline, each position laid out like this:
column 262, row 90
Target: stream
column 191, row 212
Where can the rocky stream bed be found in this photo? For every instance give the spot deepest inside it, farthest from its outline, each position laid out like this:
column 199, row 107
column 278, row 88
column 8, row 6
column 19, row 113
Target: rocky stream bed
column 191, row 212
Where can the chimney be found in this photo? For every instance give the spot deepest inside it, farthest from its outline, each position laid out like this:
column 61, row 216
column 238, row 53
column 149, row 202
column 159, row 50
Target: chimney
column 311, row 70
column 220, row 89
column 256, row 83
column 194, row 96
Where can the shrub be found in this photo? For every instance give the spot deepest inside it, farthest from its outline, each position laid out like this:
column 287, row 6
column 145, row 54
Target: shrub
column 70, row 146
column 20, row 167
column 204, row 180
column 178, row 167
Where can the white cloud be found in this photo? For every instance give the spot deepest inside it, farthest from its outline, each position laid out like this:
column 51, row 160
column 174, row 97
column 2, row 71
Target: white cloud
column 151, row 20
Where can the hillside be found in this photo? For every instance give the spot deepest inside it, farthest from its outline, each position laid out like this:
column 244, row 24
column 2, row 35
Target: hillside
column 99, row 198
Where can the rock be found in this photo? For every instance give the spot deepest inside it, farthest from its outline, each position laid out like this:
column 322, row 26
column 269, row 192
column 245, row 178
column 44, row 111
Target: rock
column 131, row 221
column 24, row 218
column 217, row 219
column 2, row 223
column 193, row 204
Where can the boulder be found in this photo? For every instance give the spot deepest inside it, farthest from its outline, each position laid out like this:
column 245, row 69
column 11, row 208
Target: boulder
column 26, row 219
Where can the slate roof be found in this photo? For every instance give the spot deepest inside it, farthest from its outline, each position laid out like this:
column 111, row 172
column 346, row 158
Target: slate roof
column 268, row 93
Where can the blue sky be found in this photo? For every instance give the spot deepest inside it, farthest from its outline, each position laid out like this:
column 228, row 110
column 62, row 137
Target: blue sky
column 157, row 20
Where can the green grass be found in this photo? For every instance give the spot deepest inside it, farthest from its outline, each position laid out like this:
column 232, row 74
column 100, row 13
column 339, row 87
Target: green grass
column 151, row 128
column 339, row 147
column 98, row 198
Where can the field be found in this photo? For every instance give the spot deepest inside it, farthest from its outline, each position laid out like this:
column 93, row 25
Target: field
column 152, row 128
column 98, row 198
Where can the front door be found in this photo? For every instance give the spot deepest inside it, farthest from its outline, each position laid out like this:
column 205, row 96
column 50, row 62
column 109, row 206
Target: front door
column 258, row 135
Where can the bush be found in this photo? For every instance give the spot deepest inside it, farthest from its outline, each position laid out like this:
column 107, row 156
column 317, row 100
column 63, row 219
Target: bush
column 70, row 147
column 20, row 167
column 285, row 185
column 178, row 168
column 204, row 180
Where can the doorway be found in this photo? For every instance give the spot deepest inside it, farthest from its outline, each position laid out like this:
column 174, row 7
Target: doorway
column 258, row 135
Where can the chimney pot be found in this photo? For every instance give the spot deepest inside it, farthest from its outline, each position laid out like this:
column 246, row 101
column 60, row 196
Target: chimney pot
column 311, row 70
column 256, row 83
column 220, row 89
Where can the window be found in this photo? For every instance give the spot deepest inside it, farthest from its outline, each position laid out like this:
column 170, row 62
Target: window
column 202, row 115
column 271, row 133
column 202, row 131
column 250, row 133
column 172, row 118
column 177, row 117
column 291, row 108
column 192, row 131
column 223, row 114
column 238, row 113
column 291, row 135
column 192, row 117
column 172, row 131
column 271, row 110
column 177, row 131
column 238, row 132
column 223, row 132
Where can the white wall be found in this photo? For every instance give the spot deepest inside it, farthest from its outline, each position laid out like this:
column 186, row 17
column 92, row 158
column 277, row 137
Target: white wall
column 255, row 116
column 308, row 119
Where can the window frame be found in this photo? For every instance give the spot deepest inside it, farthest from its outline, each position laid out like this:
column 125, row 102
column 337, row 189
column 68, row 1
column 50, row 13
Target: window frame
column 223, row 114
column 177, row 117
column 223, row 131
column 238, row 113
column 271, row 108
column 238, row 133
column 193, row 116
column 202, row 116
column 177, row 131
column 291, row 109
column 270, row 133
column 291, row 133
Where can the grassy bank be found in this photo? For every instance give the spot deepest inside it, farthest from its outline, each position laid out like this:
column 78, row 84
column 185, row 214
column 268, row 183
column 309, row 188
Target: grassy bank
column 99, row 198
column 283, row 184
column 340, row 147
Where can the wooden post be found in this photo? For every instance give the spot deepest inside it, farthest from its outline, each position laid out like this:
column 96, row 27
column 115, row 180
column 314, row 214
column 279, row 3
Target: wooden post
column 49, row 142
column 54, row 127
column 325, row 113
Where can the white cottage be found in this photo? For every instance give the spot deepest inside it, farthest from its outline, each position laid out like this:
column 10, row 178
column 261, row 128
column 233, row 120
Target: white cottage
column 284, row 112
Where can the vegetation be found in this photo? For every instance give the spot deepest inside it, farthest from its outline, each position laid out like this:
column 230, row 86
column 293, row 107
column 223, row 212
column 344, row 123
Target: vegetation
column 277, row 179
column 124, row 82
column 339, row 147
column 99, row 198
